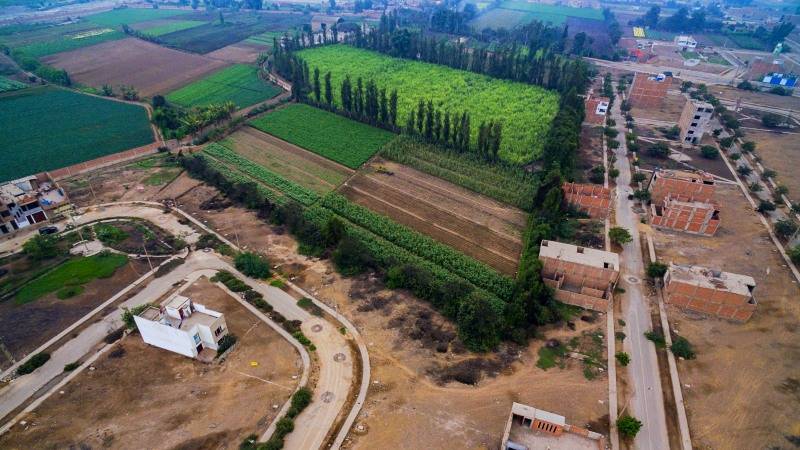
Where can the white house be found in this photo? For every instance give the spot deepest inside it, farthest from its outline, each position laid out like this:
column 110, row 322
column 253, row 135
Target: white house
column 182, row 326
column 28, row 201
column 685, row 42
column 602, row 108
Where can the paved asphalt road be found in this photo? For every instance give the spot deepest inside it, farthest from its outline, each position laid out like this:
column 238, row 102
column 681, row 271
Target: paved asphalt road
column 647, row 401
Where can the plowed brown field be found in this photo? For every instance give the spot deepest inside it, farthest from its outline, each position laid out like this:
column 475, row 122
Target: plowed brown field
column 476, row 225
column 148, row 67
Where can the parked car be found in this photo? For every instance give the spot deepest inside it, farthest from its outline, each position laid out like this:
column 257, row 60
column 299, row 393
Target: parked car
column 48, row 230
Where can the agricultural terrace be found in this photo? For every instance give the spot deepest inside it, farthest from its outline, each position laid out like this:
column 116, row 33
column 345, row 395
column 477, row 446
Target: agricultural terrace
column 507, row 183
column 239, row 84
column 7, row 84
column 150, row 68
column 117, row 17
column 237, row 27
column 335, row 137
column 297, row 165
column 514, row 13
column 478, row 226
column 525, row 111
column 40, row 41
column 45, row 128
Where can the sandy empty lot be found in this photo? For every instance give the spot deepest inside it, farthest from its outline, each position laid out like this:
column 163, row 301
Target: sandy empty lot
column 140, row 396
column 479, row 226
column 241, row 52
column 743, row 390
column 669, row 111
column 148, row 67
column 781, row 153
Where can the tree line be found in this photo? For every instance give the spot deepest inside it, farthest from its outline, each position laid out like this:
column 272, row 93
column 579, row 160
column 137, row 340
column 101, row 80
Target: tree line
column 365, row 102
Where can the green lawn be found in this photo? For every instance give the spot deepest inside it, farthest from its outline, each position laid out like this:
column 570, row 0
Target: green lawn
column 75, row 272
column 330, row 135
column 511, row 14
column 10, row 85
column 171, row 27
column 525, row 111
column 128, row 16
column 265, row 39
column 239, row 84
column 46, row 128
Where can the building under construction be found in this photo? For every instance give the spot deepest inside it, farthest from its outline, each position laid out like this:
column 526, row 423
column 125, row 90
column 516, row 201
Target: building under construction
column 709, row 291
column 580, row 276
column 683, row 201
column 592, row 199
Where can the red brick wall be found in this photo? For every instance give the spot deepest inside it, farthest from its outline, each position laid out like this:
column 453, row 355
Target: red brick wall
column 727, row 305
column 688, row 218
column 679, row 189
column 592, row 199
column 103, row 161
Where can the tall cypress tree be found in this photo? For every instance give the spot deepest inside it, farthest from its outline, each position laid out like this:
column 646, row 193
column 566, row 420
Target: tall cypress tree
column 347, row 94
column 420, row 115
column 328, row 90
column 384, row 115
column 446, row 128
column 429, row 121
column 317, row 95
column 393, row 108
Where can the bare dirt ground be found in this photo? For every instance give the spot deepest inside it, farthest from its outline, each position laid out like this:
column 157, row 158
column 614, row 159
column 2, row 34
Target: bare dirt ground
column 590, row 152
column 140, row 396
column 781, row 153
column 757, row 98
column 150, row 68
column 23, row 328
column 670, row 57
column 241, row 52
column 476, row 225
column 413, row 350
column 292, row 162
column 139, row 180
column 669, row 111
column 743, row 390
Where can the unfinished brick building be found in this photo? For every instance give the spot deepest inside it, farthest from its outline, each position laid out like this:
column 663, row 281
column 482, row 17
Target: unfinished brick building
column 722, row 294
column 649, row 91
column 691, row 217
column 683, row 201
column 681, row 185
column 694, row 121
column 593, row 199
column 580, row 276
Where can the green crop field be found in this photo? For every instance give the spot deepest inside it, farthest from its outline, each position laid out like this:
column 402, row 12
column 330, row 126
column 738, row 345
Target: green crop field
column 129, row 16
column 525, row 111
column 10, row 85
column 71, row 42
column 265, row 39
column 511, row 14
column 239, row 84
column 335, row 137
column 172, row 26
column 47, row 128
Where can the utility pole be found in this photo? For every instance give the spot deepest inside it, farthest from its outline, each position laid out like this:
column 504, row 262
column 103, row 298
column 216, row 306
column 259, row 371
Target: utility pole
column 144, row 246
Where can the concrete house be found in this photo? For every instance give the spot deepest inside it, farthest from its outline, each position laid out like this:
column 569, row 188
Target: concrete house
column 685, row 42
column 722, row 294
column 28, row 201
column 694, row 121
column 580, row 276
column 593, row 199
column 182, row 326
column 531, row 428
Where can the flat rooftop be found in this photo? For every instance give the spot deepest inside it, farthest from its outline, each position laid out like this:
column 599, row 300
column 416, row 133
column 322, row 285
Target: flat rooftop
column 712, row 279
column 579, row 255
column 533, row 413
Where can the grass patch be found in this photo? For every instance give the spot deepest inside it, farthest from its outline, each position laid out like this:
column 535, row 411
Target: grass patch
column 161, row 177
column 74, row 272
column 7, row 85
column 239, row 84
column 71, row 42
column 69, row 292
column 550, row 356
column 335, row 137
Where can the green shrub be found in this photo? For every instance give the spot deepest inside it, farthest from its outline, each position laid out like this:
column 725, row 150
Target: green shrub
column 709, row 152
column 284, row 427
column 682, row 348
column 656, row 337
column 794, row 254
column 129, row 314
column 628, row 426
column 623, row 358
column 278, row 283
column 225, row 343
column 71, row 366
column 36, row 361
column 656, row 270
column 619, row 235
column 109, row 234
column 41, row 247
column 252, row 264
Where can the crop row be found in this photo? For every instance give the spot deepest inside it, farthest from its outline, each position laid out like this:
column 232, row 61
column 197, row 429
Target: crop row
column 237, row 177
column 292, row 190
column 471, row 270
